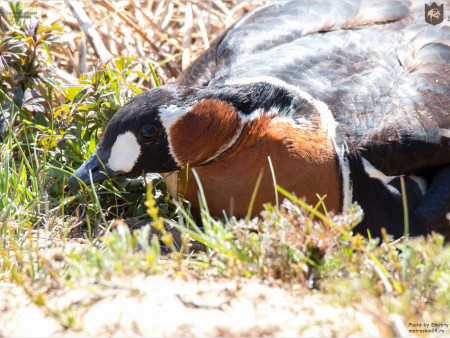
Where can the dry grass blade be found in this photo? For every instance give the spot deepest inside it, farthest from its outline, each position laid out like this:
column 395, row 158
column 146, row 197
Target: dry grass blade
column 5, row 25
column 201, row 26
column 155, row 28
column 149, row 31
column 82, row 63
column 137, row 29
column 93, row 36
column 188, row 23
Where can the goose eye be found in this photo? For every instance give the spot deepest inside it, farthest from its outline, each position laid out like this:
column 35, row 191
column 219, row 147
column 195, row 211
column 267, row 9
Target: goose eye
column 148, row 133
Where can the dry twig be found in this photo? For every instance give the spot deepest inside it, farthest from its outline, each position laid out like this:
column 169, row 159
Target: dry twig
column 103, row 54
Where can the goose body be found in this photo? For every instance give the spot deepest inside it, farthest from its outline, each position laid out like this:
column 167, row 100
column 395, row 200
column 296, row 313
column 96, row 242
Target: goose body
column 344, row 96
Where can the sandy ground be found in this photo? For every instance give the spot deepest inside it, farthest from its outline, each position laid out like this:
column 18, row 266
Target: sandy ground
column 171, row 305
column 186, row 305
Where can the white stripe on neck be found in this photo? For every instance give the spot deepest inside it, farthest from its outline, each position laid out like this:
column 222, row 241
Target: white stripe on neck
column 328, row 123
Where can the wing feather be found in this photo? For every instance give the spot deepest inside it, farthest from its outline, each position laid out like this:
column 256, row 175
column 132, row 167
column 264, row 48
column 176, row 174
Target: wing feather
column 383, row 73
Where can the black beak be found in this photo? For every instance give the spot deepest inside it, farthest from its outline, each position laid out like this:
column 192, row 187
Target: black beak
column 96, row 165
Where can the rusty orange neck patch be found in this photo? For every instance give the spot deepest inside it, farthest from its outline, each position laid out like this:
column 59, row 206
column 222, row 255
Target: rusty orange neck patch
column 304, row 162
column 203, row 131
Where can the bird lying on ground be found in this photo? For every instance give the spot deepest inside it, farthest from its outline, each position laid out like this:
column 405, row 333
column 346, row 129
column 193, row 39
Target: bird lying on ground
column 344, row 96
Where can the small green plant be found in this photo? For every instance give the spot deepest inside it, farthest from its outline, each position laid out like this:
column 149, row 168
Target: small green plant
column 119, row 251
column 287, row 243
column 47, row 131
column 26, row 85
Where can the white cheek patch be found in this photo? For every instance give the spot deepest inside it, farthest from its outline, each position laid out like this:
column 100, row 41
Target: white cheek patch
column 124, row 153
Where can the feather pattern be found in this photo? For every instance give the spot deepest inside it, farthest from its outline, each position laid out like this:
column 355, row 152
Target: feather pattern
column 386, row 80
column 382, row 72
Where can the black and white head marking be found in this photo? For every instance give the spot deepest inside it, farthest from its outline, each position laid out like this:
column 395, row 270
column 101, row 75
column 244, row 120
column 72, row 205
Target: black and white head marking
column 135, row 140
column 168, row 116
column 124, row 153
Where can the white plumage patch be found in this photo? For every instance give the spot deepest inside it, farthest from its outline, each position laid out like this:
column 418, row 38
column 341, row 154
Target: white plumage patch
column 328, row 122
column 170, row 114
column 444, row 132
column 256, row 114
column 347, row 184
column 124, row 153
column 377, row 174
column 421, row 183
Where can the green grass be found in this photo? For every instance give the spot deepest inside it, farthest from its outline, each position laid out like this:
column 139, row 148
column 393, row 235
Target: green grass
column 53, row 128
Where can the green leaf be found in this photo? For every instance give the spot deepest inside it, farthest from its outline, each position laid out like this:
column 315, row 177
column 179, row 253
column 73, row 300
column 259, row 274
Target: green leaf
column 92, row 143
column 170, row 58
column 40, row 118
column 140, row 74
column 118, row 65
column 155, row 77
column 82, row 94
column 49, row 80
column 129, row 61
column 49, row 56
